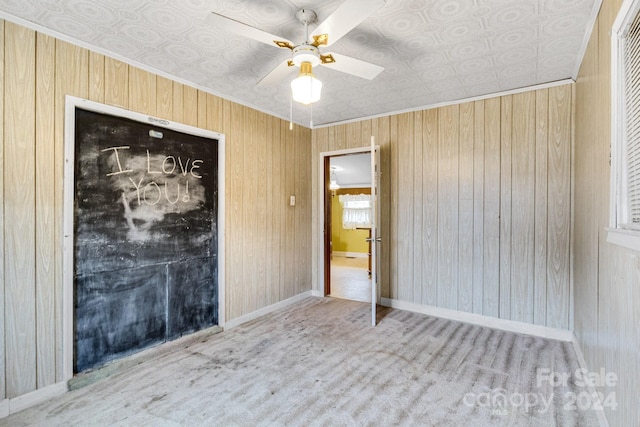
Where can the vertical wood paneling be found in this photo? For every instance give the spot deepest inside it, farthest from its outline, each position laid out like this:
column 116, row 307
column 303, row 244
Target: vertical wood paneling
column 429, row 262
column 289, row 285
column 96, row 77
column 491, row 288
column 353, row 133
column 317, row 140
column 448, row 151
column 72, row 78
column 19, row 199
column 164, row 98
column 506, row 118
column 190, row 105
column 283, row 205
column 608, row 13
column 202, row 109
column 277, row 201
column 625, row 357
column 116, row 83
column 393, row 237
column 478, row 207
column 340, row 142
column 249, row 220
column 269, row 190
column 586, row 225
column 142, row 91
column 465, row 197
column 215, row 120
column 303, row 218
column 262, row 232
column 45, row 211
column 522, row 224
column 611, row 271
column 332, row 142
column 541, row 206
column 416, row 200
column 233, row 125
column 4, row 330
column 365, row 133
column 559, row 207
column 405, row 207
column 304, row 157
column 178, row 103
column 384, row 139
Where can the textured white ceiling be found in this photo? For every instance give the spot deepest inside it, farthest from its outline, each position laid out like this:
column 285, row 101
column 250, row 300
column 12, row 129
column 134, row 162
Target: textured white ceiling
column 353, row 170
column 433, row 51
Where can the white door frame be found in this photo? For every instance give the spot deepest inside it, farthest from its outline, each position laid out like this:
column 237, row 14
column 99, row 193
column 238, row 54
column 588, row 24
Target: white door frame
column 320, row 200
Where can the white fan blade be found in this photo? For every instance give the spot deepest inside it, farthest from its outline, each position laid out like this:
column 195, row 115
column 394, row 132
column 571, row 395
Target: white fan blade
column 277, row 74
column 231, row 25
column 353, row 66
column 346, row 17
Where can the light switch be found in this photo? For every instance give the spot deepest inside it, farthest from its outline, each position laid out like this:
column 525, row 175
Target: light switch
column 292, row 200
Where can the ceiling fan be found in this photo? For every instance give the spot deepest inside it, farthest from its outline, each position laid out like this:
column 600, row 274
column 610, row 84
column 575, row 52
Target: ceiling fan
column 308, row 54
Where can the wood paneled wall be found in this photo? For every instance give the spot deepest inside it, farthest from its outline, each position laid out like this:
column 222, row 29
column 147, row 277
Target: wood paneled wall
column 607, row 277
column 268, row 241
column 476, row 204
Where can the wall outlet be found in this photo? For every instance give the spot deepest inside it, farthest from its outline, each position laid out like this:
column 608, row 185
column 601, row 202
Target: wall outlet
column 292, row 200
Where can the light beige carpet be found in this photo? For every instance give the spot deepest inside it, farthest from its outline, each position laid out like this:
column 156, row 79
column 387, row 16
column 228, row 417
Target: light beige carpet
column 320, row 362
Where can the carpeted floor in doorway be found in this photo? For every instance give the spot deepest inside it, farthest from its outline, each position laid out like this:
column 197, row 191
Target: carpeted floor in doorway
column 320, row 363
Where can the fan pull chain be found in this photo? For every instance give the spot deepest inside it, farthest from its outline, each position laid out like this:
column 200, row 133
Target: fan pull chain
column 291, row 112
column 311, row 121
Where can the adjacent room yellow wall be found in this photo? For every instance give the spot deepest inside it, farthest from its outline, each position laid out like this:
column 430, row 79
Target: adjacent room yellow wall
column 268, row 242
column 347, row 240
column 606, row 276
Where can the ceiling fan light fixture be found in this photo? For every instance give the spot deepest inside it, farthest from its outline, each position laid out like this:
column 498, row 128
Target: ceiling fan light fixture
column 306, row 88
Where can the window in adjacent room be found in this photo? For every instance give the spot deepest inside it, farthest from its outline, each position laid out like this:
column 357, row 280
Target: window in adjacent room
column 356, row 211
column 625, row 146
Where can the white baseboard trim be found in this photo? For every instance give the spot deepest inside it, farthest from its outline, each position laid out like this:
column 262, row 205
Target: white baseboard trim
column 350, row 254
column 4, row 408
column 318, row 294
column 481, row 320
column 266, row 310
column 602, row 418
column 16, row 404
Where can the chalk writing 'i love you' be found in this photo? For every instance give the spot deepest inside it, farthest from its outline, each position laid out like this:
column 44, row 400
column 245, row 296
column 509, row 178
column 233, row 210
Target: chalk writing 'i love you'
column 168, row 170
column 169, row 164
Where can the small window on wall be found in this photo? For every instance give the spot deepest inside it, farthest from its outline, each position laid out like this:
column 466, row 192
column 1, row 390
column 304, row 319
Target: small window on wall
column 625, row 144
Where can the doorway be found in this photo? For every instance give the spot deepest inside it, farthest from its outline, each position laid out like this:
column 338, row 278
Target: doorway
column 347, row 226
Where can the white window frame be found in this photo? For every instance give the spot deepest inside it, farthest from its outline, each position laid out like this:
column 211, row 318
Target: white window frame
column 619, row 233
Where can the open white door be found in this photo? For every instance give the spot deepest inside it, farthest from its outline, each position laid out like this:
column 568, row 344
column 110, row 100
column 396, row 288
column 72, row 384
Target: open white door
column 375, row 239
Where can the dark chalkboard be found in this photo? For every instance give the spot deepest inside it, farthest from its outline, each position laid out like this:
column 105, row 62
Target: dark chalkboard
column 145, row 236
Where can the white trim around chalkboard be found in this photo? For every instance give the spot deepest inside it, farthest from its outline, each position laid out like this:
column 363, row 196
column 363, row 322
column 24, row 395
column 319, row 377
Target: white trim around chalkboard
column 68, row 209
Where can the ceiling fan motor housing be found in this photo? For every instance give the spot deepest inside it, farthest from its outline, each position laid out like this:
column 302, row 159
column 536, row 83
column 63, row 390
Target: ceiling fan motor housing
column 306, row 53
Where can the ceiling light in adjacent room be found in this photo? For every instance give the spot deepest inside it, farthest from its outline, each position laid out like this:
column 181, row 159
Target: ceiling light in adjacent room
column 333, row 182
